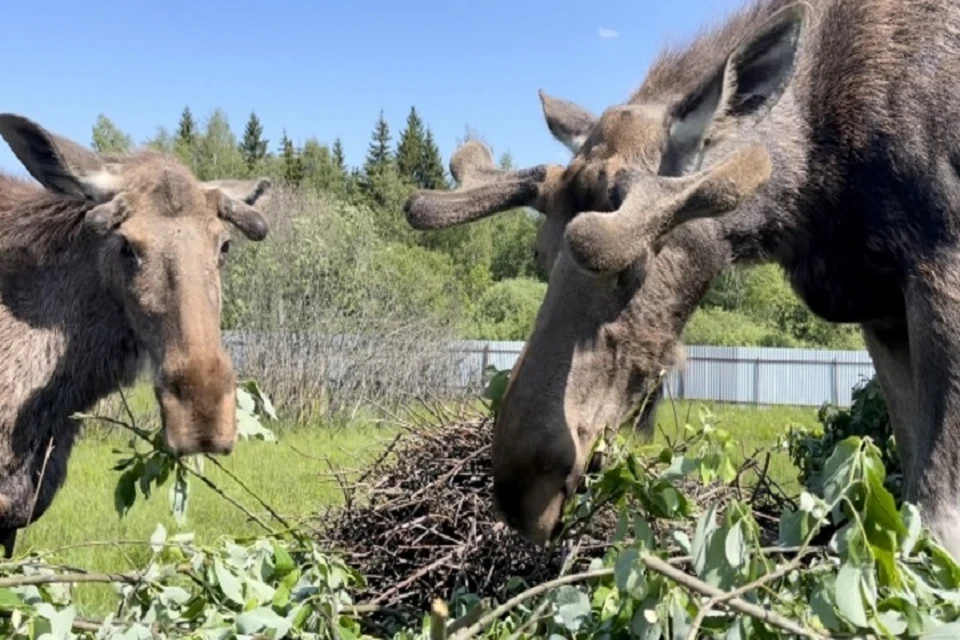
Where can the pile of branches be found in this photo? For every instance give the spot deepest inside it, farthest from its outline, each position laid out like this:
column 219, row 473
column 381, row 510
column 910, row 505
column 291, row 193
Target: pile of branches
column 418, row 523
column 421, row 524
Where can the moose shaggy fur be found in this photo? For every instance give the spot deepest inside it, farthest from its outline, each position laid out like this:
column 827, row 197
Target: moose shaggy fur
column 855, row 104
column 106, row 265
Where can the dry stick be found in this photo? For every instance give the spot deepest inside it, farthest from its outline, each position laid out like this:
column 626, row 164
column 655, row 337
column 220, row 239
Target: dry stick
column 243, row 486
column 750, row 586
column 70, row 578
column 36, row 493
column 207, row 481
column 413, row 577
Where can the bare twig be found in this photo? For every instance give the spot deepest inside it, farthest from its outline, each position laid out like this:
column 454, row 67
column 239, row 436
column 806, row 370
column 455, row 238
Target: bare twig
column 250, row 491
column 722, row 598
column 36, row 493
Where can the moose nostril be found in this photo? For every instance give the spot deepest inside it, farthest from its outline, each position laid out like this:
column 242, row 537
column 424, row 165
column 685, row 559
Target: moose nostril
column 596, row 463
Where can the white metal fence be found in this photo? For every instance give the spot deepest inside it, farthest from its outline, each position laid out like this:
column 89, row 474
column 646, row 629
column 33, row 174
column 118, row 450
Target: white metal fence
column 743, row 375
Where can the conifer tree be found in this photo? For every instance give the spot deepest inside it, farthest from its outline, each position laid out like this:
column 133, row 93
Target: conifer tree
column 410, row 150
column 338, row 156
column 253, row 147
column 187, row 128
column 433, row 175
column 291, row 161
column 185, row 140
column 379, row 156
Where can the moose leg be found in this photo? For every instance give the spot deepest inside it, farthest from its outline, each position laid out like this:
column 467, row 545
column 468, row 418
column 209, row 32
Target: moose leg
column 8, row 538
column 889, row 347
column 933, row 312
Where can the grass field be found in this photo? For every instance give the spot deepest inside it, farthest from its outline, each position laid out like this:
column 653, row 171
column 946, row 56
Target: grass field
column 292, row 475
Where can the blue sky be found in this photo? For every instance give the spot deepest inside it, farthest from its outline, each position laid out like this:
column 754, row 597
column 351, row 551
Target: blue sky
column 327, row 67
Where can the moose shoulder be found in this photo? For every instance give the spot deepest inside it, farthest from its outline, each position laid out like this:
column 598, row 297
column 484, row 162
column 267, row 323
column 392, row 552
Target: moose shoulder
column 108, row 264
column 820, row 135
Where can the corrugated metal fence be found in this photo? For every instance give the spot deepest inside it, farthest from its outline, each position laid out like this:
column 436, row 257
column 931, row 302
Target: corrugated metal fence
column 742, row 375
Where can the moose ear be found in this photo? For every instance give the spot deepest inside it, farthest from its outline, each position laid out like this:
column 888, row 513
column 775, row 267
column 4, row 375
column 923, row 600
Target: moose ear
column 60, row 165
column 234, row 200
column 568, row 122
column 248, row 191
column 747, row 86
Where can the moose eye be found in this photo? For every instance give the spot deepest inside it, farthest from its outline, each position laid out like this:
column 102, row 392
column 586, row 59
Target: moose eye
column 224, row 250
column 128, row 253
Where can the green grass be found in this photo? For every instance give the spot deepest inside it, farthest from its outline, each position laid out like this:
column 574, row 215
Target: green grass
column 292, row 475
column 752, row 428
column 281, row 473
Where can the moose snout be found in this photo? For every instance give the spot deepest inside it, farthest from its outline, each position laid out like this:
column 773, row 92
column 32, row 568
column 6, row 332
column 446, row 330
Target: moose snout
column 198, row 405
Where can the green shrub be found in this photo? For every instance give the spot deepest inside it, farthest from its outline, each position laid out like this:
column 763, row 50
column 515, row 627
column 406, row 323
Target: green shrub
column 866, row 417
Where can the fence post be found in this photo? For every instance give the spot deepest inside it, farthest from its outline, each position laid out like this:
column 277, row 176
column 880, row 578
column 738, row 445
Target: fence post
column 756, row 381
column 836, row 383
column 484, row 360
column 681, row 383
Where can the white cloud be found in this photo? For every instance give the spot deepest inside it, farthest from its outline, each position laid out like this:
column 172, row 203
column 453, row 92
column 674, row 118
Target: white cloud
column 607, row 34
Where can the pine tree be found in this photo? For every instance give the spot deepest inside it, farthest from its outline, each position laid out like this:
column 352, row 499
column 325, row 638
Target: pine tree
column 338, row 156
column 107, row 138
column 253, row 147
column 410, row 150
column 185, row 140
column 187, row 128
column 291, row 162
column 433, row 175
column 379, row 156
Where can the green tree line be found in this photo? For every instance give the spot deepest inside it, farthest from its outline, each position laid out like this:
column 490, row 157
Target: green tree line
column 479, row 281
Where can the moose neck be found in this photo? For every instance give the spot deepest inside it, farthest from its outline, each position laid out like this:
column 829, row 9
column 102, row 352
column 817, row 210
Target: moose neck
column 66, row 342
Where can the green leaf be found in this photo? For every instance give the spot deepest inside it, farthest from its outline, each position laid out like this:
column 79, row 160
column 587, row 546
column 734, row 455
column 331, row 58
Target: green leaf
column 496, row 387
column 735, row 546
column 266, row 407
column 573, row 606
column 10, row 600
column 706, row 525
column 230, row 585
column 823, row 606
column 628, row 571
column 913, row 527
column 943, row 632
column 282, row 562
column 847, row 594
column 158, row 538
column 263, row 619
column 839, row 467
column 249, row 426
column 61, row 622
column 125, row 493
column 180, row 496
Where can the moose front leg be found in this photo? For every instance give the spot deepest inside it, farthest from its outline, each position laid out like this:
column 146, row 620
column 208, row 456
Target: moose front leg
column 889, row 347
column 933, row 320
column 8, row 539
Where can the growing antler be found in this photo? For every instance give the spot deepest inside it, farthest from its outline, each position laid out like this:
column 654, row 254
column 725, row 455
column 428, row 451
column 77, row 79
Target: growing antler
column 653, row 205
column 484, row 190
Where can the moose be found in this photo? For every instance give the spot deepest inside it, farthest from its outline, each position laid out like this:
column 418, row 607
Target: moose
column 110, row 265
column 820, row 135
